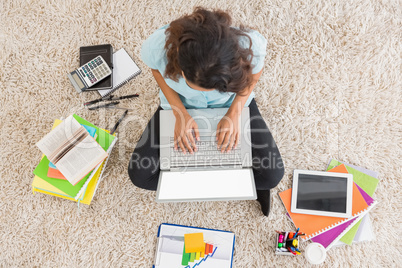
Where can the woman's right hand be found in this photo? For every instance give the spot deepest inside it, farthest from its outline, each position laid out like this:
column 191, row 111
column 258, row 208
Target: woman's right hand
column 186, row 133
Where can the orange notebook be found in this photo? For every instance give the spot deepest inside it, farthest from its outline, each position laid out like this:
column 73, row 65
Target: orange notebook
column 313, row 225
column 55, row 173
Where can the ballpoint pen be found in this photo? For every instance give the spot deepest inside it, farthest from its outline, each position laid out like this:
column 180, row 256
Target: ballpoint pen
column 118, row 108
column 111, row 98
column 98, row 100
column 125, row 97
column 107, row 105
column 118, row 123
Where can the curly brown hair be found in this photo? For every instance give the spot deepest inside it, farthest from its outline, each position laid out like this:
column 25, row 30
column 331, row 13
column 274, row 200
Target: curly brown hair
column 206, row 49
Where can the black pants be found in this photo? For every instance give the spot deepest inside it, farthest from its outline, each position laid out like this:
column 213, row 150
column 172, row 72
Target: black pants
column 268, row 167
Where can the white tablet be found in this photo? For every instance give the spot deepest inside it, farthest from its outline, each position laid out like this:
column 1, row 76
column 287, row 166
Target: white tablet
column 322, row 193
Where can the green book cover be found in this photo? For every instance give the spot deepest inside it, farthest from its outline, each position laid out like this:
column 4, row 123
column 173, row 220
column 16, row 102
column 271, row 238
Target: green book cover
column 64, row 185
column 367, row 183
column 103, row 138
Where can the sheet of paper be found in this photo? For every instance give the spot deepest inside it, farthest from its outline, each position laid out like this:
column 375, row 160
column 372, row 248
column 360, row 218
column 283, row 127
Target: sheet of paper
column 365, row 232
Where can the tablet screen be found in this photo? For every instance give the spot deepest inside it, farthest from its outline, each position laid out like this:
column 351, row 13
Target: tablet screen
column 322, row 193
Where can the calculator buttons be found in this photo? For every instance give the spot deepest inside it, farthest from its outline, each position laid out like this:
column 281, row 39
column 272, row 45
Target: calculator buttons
column 94, row 71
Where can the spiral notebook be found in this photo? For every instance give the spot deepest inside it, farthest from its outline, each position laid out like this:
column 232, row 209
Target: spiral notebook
column 331, row 237
column 124, row 69
column 313, row 225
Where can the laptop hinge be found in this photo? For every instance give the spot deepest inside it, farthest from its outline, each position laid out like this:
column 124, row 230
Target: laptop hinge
column 207, row 167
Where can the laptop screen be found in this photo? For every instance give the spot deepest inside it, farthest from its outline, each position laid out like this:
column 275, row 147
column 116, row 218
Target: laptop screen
column 194, row 185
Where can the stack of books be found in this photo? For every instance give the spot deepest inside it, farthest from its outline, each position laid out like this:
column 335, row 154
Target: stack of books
column 75, row 154
column 332, row 231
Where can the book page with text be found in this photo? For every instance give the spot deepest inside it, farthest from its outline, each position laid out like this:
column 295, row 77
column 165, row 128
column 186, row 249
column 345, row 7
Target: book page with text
column 80, row 160
column 58, row 136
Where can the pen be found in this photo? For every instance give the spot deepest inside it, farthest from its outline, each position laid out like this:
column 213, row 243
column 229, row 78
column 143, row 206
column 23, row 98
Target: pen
column 296, row 232
column 98, row 100
column 118, row 123
column 110, row 98
column 294, row 253
column 104, row 105
column 125, row 97
column 119, row 108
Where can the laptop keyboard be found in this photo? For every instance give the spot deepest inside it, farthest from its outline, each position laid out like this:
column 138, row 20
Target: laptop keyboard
column 207, row 155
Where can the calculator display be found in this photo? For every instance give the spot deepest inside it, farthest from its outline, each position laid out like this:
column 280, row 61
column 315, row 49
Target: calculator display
column 78, row 80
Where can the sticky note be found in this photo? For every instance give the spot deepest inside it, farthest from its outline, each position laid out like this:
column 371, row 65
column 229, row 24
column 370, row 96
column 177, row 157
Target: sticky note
column 194, row 242
column 197, row 255
column 192, row 257
column 206, row 249
column 186, row 257
column 202, row 254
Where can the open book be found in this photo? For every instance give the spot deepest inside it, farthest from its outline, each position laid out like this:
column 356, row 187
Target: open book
column 72, row 150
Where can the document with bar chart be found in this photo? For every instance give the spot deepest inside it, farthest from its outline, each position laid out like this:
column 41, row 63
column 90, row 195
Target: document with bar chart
column 193, row 247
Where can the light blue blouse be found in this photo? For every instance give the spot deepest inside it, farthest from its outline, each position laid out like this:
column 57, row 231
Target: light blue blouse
column 154, row 56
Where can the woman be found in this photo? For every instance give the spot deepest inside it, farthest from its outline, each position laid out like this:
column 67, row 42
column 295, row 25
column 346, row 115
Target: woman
column 200, row 61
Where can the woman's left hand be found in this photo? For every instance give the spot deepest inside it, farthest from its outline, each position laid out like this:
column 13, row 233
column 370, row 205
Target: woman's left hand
column 228, row 132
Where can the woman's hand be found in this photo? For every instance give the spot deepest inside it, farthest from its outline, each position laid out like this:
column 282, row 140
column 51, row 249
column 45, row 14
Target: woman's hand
column 228, row 132
column 185, row 133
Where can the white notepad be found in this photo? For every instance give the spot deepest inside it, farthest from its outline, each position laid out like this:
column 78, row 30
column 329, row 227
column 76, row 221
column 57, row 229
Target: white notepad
column 124, row 69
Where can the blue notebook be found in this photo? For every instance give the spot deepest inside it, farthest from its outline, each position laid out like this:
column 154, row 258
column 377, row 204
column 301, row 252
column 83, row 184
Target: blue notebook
column 170, row 249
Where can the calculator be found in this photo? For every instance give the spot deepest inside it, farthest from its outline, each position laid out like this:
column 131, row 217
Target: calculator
column 89, row 74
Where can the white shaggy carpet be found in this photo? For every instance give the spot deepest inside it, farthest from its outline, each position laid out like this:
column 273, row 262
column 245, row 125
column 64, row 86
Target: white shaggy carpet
column 331, row 88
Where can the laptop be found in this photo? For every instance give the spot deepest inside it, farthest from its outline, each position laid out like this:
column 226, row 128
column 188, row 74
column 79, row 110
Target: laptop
column 208, row 174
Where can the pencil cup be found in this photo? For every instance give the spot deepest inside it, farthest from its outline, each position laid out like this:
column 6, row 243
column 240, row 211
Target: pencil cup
column 286, row 245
